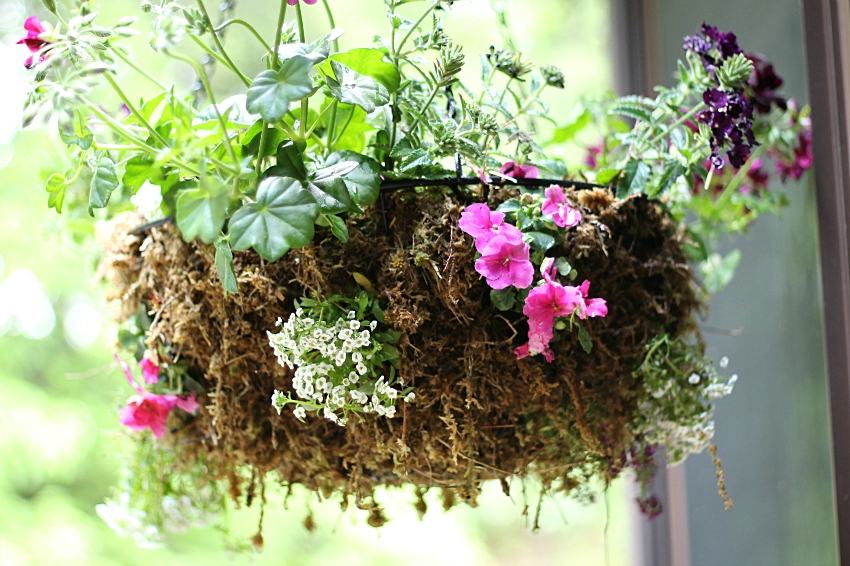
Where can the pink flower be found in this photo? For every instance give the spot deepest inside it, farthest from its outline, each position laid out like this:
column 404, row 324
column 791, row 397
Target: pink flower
column 542, row 305
column 511, row 169
column 188, row 403
column 148, row 411
column 483, row 224
column 557, row 207
column 150, row 371
column 591, row 307
column 33, row 40
column 294, row 2
column 801, row 160
column 504, row 263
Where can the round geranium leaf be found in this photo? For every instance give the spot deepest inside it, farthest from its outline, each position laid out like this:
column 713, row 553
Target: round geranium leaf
column 272, row 91
column 282, row 218
column 351, row 87
column 201, row 211
column 363, row 182
column 370, row 62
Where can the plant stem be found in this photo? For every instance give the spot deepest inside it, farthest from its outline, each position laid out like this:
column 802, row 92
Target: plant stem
column 331, row 22
column 218, row 41
column 677, row 123
column 736, row 181
column 249, row 27
column 260, row 153
column 135, row 112
column 119, row 129
column 305, row 103
column 528, row 102
column 203, row 76
column 277, row 36
column 332, row 126
column 430, row 9
column 345, row 126
column 425, row 106
column 505, row 90
column 242, row 77
column 141, row 70
column 319, row 119
column 487, row 83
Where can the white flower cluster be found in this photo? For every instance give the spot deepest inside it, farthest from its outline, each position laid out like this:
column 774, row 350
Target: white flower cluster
column 333, row 365
column 178, row 514
column 677, row 413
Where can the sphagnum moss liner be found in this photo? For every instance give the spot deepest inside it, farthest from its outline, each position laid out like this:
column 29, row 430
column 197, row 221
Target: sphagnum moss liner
column 480, row 413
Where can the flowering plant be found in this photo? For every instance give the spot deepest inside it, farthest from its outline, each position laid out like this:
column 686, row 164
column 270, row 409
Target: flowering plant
column 283, row 191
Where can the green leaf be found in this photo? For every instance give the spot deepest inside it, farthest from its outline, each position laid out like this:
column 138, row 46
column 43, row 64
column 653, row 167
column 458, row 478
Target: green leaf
column 634, row 179
column 282, row 217
column 351, row 87
column 316, row 52
column 605, row 176
column 569, row 131
column 503, row 299
column 224, row 265
column 290, row 162
column 338, row 227
column 56, row 186
column 523, row 221
column 510, row 205
column 377, row 312
column 201, row 211
column 673, row 171
column 369, row 62
column 272, row 91
column 138, row 170
column 584, row 338
column 103, row 182
column 718, row 271
column 563, row 266
column 233, row 110
column 74, row 130
column 364, row 182
column 539, row 240
column 679, row 137
column 330, row 193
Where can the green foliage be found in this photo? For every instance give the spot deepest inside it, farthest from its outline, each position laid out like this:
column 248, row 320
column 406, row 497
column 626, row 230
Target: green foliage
column 350, row 87
column 281, row 218
column 272, row 91
column 201, row 210
column 103, row 182
column 369, row 62
column 224, row 265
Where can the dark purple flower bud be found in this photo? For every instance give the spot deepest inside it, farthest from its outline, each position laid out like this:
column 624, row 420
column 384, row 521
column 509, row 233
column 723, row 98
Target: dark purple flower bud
column 715, row 98
column 738, row 155
column 716, row 160
column 728, row 44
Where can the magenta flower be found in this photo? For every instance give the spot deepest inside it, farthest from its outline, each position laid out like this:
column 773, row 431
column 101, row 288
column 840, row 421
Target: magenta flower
column 148, row 411
column 483, row 224
column 801, row 160
column 504, row 263
column 150, row 371
column 557, row 207
column 34, row 41
column 591, row 307
column 294, row 2
column 511, row 169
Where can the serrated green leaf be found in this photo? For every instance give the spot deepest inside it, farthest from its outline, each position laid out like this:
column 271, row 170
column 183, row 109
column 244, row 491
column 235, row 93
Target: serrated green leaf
column 338, row 227
column 364, row 182
column 635, row 177
column 369, row 62
column 673, row 171
column 224, row 265
column 272, row 91
column 350, row 87
column 103, row 182
column 503, row 299
column 201, row 211
column 56, row 186
column 283, row 217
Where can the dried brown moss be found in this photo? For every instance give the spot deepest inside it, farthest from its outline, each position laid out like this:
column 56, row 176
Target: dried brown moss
column 479, row 412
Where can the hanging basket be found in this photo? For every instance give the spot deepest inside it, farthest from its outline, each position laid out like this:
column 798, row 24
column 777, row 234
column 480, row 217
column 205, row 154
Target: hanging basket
column 480, row 413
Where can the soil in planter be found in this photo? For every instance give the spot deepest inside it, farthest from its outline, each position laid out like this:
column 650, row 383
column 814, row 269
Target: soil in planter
column 479, row 414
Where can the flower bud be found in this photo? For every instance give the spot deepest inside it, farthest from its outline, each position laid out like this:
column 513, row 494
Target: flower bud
column 147, row 7
column 50, row 5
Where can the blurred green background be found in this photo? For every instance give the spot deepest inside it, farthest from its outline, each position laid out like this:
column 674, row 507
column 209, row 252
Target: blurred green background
column 60, row 390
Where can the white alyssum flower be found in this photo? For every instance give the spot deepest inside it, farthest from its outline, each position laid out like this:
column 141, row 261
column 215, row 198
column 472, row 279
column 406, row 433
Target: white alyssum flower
column 147, row 200
column 332, row 363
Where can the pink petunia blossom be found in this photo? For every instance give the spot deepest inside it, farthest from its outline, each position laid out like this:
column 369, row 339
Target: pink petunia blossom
column 542, row 305
column 150, row 371
column 511, row 169
column 188, row 403
column 504, row 263
column 481, row 223
column 147, row 411
column 591, row 307
column 557, row 207
column 34, row 40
